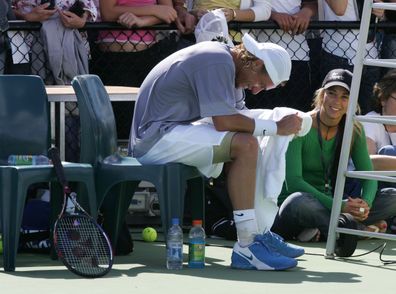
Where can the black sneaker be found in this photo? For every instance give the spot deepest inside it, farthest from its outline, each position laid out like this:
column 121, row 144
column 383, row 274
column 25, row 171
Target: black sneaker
column 346, row 244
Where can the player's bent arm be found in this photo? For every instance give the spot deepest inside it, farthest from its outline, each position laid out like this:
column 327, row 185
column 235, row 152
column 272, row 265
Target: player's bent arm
column 242, row 123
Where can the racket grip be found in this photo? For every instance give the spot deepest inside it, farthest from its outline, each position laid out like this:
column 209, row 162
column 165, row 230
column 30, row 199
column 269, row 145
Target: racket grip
column 53, row 154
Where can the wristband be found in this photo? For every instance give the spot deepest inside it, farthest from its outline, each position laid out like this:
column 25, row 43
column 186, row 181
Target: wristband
column 264, row 127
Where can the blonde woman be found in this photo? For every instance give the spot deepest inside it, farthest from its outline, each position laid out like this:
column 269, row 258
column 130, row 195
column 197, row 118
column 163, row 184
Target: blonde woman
column 311, row 167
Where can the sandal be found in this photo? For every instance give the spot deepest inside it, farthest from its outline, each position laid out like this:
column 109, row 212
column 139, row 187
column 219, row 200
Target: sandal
column 382, row 226
column 379, row 227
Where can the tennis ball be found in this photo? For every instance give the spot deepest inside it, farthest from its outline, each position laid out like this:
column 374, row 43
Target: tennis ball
column 149, row 234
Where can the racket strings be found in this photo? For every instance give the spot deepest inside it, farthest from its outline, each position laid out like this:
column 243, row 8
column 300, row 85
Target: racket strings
column 82, row 245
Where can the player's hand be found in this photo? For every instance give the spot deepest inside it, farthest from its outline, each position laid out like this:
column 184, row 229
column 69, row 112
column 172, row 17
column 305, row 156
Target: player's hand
column 289, row 125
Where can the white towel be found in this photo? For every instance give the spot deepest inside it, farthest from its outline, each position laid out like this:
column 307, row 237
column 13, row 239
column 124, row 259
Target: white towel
column 271, row 166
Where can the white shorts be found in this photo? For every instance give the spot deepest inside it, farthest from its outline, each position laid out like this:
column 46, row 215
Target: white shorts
column 188, row 144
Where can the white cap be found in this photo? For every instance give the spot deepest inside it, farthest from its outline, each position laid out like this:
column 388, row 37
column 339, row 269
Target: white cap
column 211, row 26
column 276, row 59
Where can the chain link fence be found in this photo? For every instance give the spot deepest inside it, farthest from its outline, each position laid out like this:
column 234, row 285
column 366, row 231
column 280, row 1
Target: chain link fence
column 126, row 64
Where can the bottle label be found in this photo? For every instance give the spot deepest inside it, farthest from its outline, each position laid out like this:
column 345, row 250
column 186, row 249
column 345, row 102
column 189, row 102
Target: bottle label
column 196, row 252
column 23, row 160
column 175, row 251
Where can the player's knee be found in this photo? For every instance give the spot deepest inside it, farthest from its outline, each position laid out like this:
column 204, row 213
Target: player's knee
column 244, row 145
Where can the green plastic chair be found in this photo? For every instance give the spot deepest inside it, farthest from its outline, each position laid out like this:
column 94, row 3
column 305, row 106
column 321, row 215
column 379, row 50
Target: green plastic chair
column 25, row 129
column 116, row 183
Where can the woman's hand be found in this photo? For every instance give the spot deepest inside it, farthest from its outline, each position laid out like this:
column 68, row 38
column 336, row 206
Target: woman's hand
column 378, row 12
column 129, row 20
column 301, row 21
column 39, row 13
column 165, row 13
column 357, row 207
column 285, row 21
column 185, row 21
column 71, row 20
column 198, row 13
column 229, row 14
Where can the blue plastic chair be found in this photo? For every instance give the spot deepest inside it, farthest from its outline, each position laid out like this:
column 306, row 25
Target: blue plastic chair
column 116, row 183
column 25, row 129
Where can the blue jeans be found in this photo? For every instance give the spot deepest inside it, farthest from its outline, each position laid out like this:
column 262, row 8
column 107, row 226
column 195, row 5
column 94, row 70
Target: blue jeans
column 301, row 210
column 388, row 150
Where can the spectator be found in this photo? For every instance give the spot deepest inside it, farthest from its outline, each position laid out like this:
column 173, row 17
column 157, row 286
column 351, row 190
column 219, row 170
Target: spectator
column 185, row 21
column 293, row 17
column 6, row 14
column 340, row 46
column 388, row 48
column 381, row 138
column 124, row 57
column 60, row 51
column 311, row 169
column 187, row 112
column 66, row 43
column 14, row 57
column 119, row 47
column 243, row 10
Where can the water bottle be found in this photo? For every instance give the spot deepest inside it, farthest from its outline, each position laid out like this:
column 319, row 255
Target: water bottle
column 28, row 160
column 174, row 246
column 113, row 158
column 196, row 248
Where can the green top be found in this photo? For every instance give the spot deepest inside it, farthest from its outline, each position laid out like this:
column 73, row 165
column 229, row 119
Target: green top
column 304, row 169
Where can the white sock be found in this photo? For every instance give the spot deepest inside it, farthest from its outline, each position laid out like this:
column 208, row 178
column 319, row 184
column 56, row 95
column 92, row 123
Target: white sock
column 246, row 226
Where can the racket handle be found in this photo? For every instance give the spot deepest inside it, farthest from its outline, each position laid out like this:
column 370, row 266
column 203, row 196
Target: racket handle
column 53, row 154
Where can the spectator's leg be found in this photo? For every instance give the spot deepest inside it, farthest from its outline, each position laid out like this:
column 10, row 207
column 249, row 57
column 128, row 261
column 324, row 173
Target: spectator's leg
column 391, row 151
column 298, row 212
column 384, row 206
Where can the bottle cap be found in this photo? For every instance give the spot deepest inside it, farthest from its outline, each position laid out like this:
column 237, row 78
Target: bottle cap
column 175, row 221
column 197, row 222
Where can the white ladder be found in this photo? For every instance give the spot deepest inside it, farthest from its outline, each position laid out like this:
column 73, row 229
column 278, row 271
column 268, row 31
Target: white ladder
column 388, row 176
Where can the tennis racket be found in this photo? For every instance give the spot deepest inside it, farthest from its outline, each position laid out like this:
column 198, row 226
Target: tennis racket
column 79, row 241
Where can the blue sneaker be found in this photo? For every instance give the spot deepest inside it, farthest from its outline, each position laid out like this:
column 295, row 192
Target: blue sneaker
column 276, row 243
column 258, row 256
